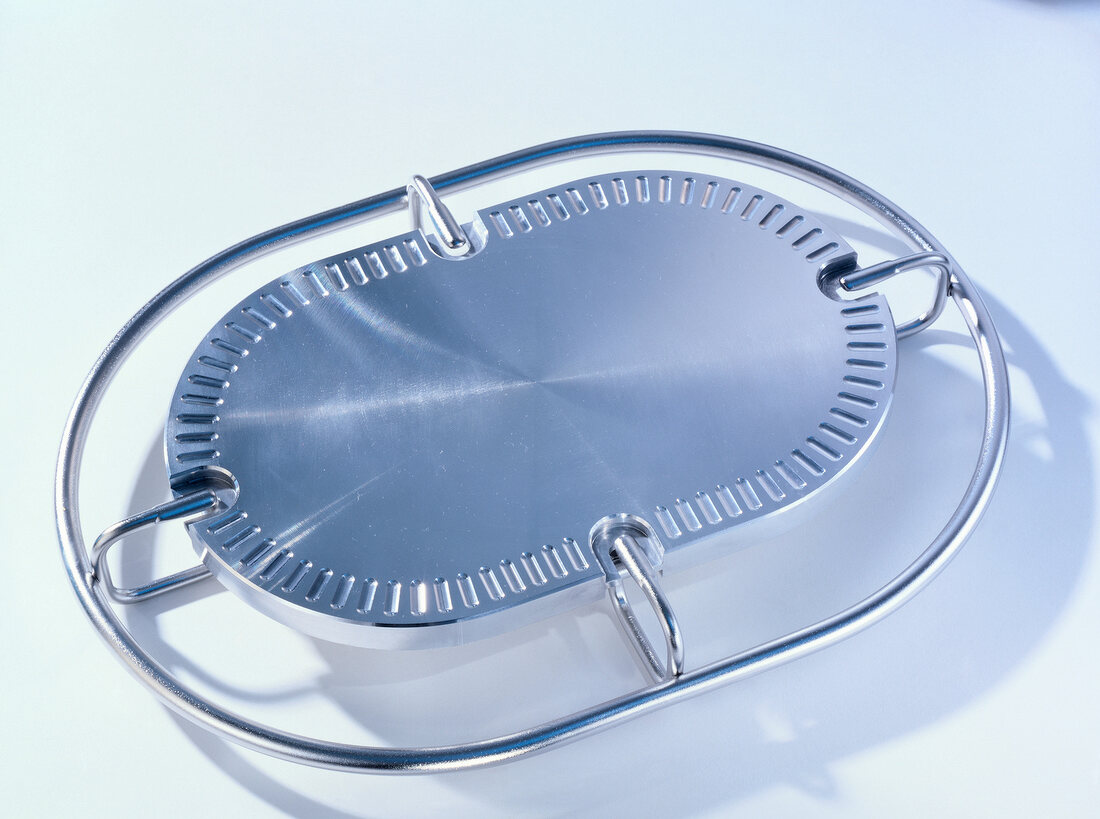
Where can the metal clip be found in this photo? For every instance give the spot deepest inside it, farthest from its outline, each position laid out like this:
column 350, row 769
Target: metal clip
column 869, row 276
column 615, row 539
column 423, row 196
column 189, row 507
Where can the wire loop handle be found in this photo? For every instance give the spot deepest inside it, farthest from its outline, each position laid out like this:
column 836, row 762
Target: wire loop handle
column 422, row 196
column 614, row 540
column 327, row 754
column 865, row 277
column 193, row 506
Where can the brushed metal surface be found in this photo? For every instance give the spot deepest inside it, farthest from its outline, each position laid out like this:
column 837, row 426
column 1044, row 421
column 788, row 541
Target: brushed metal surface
column 421, row 440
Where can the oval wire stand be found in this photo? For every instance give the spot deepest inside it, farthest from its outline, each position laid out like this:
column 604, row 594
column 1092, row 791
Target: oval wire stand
column 94, row 589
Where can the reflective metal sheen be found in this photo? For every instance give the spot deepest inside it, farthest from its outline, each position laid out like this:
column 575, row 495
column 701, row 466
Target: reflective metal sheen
column 420, row 440
column 318, row 751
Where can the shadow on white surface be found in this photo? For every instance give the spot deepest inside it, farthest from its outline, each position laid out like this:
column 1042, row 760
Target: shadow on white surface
column 786, row 728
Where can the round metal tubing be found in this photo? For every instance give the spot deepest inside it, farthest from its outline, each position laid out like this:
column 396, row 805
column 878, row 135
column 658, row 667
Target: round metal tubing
column 94, row 599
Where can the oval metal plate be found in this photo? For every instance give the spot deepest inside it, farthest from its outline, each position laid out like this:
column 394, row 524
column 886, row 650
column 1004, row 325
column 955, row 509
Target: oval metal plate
column 422, row 442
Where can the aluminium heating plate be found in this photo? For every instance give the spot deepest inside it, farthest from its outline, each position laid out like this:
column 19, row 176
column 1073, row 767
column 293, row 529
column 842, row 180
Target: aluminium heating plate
column 421, row 443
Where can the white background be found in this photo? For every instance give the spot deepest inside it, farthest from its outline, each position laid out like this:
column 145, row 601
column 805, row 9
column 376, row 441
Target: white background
column 138, row 139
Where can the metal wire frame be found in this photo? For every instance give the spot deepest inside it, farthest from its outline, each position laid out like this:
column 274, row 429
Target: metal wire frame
column 321, row 753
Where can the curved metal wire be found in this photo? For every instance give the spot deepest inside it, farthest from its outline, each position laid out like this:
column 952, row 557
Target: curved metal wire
column 190, row 507
column 321, row 753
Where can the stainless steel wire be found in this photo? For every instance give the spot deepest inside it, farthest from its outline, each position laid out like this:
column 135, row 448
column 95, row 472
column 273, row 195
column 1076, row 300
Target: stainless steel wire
column 94, row 599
